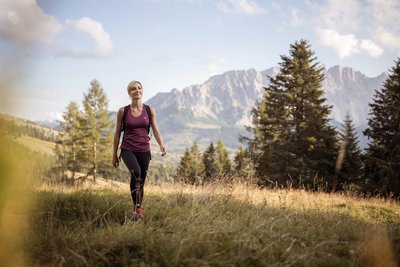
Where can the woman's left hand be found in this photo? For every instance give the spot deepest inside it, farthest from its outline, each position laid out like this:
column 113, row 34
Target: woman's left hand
column 163, row 151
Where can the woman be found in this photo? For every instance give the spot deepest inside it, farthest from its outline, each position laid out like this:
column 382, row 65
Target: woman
column 135, row 147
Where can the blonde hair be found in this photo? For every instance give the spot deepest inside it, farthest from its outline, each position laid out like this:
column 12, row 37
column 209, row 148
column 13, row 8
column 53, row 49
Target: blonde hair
column 132, row 83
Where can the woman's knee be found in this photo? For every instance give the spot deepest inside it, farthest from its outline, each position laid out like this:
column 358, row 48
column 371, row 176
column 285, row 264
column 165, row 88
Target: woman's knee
column 136, row 173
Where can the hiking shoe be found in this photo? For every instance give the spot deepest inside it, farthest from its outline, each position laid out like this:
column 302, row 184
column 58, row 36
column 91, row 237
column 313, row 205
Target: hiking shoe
column 139, row 215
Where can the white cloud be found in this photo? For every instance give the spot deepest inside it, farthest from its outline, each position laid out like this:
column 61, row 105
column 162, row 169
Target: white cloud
column 390, row 40
column 371, row 48
column 249, row 7
column 176, row 1
column 344, row 45
column 25, row 22
column 296, row 19
column 214, row 67
column 373, row 24
column 333, row 14
column 54, row 116
column 239, row 6
column 385, row 14
column 94, row 29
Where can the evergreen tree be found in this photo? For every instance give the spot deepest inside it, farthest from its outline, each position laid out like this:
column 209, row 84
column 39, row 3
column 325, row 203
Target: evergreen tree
column 383, row 153
column 210, row 162
column 97, row 128
column 314, row 140
column 254, row 142
column 244, row 165
column 198, row 165
column 257, row 141
column 349, row 162
column 184, row 166
column 224, row 164
column 240, row 161
column 191, row 166
column 292, row 124
column 69, row 147
column 275, row 129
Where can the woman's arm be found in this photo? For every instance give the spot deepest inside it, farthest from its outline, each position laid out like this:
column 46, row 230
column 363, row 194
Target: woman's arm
column 117, row 135
column 156, row 132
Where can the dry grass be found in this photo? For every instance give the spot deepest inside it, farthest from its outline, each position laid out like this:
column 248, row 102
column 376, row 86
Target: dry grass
column 213, row 225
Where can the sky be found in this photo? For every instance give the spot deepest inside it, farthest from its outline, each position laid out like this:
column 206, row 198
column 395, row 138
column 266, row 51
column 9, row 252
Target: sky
column 52, row 49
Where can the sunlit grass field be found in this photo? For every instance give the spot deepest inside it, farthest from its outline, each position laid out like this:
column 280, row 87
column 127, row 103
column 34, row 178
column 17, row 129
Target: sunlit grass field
column 214, row 225
column 218, row 224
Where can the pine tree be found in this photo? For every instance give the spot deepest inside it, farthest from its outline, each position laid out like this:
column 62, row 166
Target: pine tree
column 210, row 163
column 244, row 165
column 198, row 165
column 69, row 149
column 191, row 166
column 224, row 164
column 184, row 166
column 296, row 140
column 383, row 153
column 97, row 128
column 349, row 161
column 273, row 162
column 240, row 161
column 314, row 140
column 254, row 142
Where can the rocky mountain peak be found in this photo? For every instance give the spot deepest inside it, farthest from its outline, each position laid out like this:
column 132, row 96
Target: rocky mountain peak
column 221, row 106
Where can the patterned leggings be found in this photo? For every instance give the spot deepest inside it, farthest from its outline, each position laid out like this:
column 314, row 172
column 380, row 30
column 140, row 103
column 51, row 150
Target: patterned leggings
column 137, row 164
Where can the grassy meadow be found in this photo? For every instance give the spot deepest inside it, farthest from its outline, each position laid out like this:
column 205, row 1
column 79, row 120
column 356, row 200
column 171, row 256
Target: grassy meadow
column 43, row 223
column 214, row 225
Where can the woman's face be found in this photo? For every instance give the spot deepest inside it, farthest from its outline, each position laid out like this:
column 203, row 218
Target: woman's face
column 135, row 91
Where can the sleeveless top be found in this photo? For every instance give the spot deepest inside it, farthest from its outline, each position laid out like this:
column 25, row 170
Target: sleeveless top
column 135, row 134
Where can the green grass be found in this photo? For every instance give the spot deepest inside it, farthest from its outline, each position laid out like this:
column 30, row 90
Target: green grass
column 215, row 225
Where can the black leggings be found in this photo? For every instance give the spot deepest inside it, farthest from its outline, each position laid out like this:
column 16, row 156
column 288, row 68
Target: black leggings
column 137, row 164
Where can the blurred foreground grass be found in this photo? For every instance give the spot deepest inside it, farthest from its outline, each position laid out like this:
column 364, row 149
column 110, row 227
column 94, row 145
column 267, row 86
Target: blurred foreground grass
column 16, row 170
column 20, row 169
column 214, row 225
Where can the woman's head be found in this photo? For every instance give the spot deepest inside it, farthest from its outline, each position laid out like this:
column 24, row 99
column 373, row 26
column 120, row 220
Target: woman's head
column 135, row 88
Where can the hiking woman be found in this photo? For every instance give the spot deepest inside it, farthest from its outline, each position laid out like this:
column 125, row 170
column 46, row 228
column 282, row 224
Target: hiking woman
column 135, row 148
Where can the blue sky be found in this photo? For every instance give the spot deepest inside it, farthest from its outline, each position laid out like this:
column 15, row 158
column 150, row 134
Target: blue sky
column 52, row 49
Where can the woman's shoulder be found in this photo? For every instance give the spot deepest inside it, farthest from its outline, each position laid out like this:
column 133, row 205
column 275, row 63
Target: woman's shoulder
column 121, row 110
column 152, row 110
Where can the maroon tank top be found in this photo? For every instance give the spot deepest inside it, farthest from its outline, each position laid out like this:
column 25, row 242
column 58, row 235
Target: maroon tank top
column 135, row 135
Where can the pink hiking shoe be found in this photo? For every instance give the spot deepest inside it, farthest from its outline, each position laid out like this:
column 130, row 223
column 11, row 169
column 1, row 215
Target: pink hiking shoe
column 138, row 215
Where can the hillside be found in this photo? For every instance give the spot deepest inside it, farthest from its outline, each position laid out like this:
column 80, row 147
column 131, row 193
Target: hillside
column 37, row 145
column 17, row 126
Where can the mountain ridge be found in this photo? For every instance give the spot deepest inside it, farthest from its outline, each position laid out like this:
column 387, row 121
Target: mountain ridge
column 221, row 106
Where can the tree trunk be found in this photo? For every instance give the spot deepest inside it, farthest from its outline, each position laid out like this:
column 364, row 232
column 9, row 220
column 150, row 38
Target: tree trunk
column 94, row 161
column 73, row 160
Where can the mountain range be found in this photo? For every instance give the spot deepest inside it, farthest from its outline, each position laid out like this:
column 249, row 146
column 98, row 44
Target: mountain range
column 221, row 106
